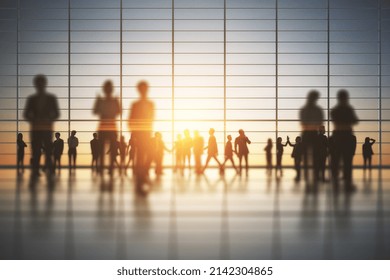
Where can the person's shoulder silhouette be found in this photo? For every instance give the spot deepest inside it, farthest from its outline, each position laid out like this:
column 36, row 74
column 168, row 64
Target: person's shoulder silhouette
column 107, row 107
column 343, row 114
column 311, row 115
column 142, row 110
column 42, row 107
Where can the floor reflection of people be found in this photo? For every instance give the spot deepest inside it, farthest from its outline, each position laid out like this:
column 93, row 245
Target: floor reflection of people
column 106, row 214
column 41, row 111
column 41, row 216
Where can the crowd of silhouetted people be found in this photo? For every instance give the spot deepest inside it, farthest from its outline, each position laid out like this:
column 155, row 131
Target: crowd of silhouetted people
column 310, row 150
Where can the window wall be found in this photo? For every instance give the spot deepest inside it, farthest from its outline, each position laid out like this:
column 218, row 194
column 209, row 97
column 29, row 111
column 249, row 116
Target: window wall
column 223, row 64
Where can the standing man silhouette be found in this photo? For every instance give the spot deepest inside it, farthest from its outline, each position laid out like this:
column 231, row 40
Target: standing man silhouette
column 343, row 141
column 58, row 149
column 95, row 151
column 312, row 117
column 73, row 142
column 241, row 142
column 268, row 155
column 41, row 111
column 21, row 145
column 367, row 152
column 141, row 126
column 108, row 109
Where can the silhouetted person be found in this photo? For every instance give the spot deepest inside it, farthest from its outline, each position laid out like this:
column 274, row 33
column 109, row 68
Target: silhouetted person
column 297, row 156
column 73, row 142
column 311, row 116
column 179, row 154
column 367, row 152
column 21, row 145
column 242, row 152
column 95, row 151
column 279, row 154
column 108, row 109
column 141, row 126
column 229, row 153
column 322, row 152
column 268, row 155
column 122, row 154
column 212, row 150
column 131, row 146
column 187, row 146
column 198, row 151
column 343, row 142
column 158, row 150
column 41, row 111
column 58, row 149
column 113, row 152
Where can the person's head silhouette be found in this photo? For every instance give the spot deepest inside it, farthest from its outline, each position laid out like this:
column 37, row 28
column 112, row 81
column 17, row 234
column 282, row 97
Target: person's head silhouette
column 321, row 130
column 57, row 135
column 367, row 140
column 108, row 88
column 312, row 97
column 20, row 136
column 40, row 83
column 94, row 135
column 143, row 87
column 269, row 141
column 73, row 133
column 241, row 132
column 229, row 137
column 211, row 131
column 342, row 97
column 196, row 133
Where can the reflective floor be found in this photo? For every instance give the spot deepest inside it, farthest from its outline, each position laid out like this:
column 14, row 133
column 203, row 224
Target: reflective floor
column 208, row 217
